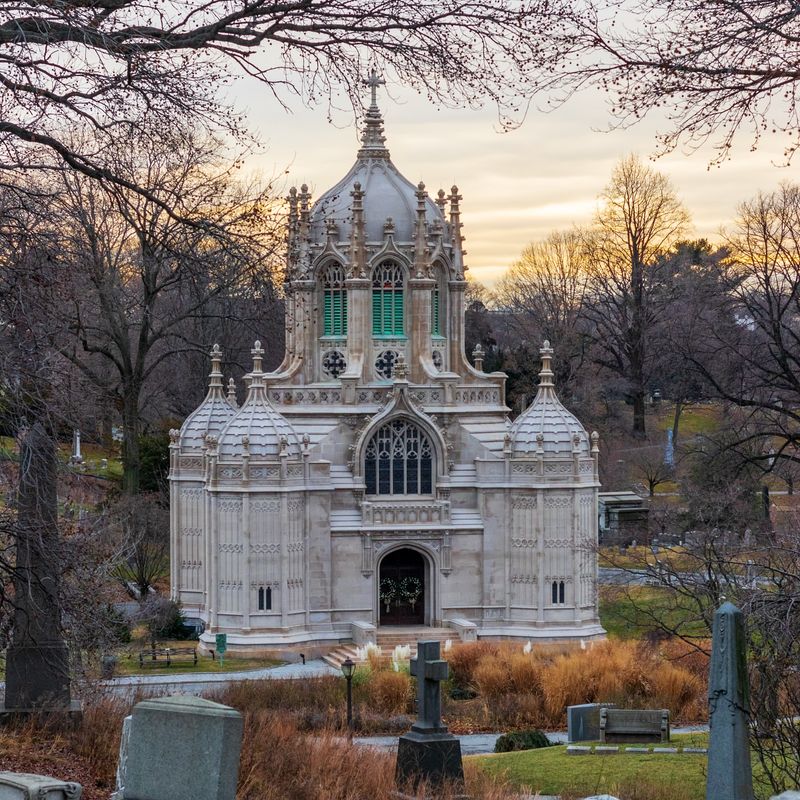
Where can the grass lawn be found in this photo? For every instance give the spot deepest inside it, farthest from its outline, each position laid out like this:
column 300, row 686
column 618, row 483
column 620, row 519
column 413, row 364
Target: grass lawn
column 699, row 419
column 625, row 612
column 674, row 776
column 551, row 771
column 128, row 662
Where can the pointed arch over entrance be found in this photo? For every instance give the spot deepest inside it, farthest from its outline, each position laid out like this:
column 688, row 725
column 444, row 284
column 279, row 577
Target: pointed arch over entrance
column 404, row 591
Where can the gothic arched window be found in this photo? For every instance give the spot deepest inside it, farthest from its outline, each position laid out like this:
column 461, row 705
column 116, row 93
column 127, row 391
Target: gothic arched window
column 399, row 460
column 387, row 299
column 334, row 300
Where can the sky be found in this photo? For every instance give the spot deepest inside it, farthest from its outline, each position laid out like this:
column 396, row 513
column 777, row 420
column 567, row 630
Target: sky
column 517, row 186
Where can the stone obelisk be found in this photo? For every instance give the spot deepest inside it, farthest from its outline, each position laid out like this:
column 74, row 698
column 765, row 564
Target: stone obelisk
column 730, row 775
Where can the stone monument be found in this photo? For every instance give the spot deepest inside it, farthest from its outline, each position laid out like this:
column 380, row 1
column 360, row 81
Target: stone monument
column 729, row 770
column 37, row 665
column 24, row 786
column 166, row 741
column 428, row 752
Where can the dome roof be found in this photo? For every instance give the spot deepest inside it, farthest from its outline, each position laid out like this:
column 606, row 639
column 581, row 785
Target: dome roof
column 257, row 426
column 547, row 421
column 386, row 193
column 212, row 415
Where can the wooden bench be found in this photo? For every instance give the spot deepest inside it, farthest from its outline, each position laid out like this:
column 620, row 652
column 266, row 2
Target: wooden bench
column 634, row 725
column 156, row 657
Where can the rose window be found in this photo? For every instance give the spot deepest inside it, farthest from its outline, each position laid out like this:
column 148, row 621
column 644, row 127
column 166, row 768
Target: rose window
column 384, row 364
column 334, row 363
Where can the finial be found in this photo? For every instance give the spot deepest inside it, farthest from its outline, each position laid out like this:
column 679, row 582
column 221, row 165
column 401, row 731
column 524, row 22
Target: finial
column 257, row 352
column 284, row 445
column 477, row 357
column 373, row 82
column 306, row 442
column 174, row 435
column 595, row 442
column 331, row 229
column 215, row 375
column 388, row 227
column 546, row 374
column 246, row 443
column 441, row 200
column 232, row 393
column 373, row 144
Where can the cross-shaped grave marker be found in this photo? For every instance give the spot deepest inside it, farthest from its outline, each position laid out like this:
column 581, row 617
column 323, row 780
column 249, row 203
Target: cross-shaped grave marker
column 428, row 752
column 430, row 671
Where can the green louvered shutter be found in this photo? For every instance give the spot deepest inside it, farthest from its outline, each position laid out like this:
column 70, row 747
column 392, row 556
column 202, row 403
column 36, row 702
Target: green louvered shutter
column 397, row 317
column 344, row 313
column 377, row 328
column 328, row 313
column 435, row 313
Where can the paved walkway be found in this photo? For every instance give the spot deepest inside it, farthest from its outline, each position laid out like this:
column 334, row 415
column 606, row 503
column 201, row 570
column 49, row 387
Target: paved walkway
column 199, row 683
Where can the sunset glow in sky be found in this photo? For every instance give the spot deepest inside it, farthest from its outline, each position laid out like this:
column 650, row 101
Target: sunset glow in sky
column 517, row 186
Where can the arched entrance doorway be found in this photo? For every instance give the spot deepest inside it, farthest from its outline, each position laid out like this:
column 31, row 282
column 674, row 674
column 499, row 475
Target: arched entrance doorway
column 401, row 588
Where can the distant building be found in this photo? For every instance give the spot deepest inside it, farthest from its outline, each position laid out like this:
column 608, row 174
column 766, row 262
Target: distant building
column 374, row 479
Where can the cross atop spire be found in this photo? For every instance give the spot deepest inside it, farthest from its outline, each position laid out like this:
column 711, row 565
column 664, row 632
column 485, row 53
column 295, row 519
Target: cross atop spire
column 373, row 144
column 374, row 81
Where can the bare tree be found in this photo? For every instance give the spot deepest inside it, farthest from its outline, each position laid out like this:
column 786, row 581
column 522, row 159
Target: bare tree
column 717, row 69
column 543, row 294
column 140, row 279
column 108, row 66
column 639, row 219
column 750, row 355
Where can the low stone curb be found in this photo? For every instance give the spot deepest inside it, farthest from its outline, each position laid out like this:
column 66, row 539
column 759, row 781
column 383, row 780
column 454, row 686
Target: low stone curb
column 602, row 750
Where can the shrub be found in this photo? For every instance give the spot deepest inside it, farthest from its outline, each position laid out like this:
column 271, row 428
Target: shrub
column 521, row 740
column 389, row 692
column 491, row 677
column 464, row 658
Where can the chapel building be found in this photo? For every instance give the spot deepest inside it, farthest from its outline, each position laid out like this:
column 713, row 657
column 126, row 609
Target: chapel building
column 374, row 479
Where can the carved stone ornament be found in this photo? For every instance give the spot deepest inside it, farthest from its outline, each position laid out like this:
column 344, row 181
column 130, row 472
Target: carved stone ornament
column 334, row 363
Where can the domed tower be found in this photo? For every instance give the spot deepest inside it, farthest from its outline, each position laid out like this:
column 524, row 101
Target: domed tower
column 188, row 518
column 553, row 557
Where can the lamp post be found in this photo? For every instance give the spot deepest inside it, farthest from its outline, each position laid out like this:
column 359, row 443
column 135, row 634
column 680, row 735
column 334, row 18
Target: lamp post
column 348, row 667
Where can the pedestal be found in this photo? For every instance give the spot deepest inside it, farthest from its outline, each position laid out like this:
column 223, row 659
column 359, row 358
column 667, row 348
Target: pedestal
column 434, row 758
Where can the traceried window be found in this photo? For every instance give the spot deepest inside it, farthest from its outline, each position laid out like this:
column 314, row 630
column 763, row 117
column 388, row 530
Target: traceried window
column 387, row 299
column 334, row 300
column 558, row 593
column 399, row 460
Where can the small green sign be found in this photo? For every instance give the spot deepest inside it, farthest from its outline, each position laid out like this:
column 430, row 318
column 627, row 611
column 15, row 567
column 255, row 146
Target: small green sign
column 222, row 642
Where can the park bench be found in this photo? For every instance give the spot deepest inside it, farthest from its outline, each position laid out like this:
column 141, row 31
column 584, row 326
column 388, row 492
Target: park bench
column 154, row 656
column 634, row 725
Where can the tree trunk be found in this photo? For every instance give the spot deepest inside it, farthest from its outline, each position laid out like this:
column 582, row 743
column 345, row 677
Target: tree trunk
column 130, row 444
column 37, row 665
column 638, row 414
column 676, row 421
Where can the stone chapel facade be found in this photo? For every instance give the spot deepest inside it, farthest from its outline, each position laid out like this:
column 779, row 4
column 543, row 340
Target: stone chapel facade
column 374, row 479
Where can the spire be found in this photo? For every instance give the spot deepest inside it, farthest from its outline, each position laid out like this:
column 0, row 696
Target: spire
column 420, row 244
column 358, row 257
column 546, row 386
column 232, row 393
column 455, row 232
column 373, row 143
column 215, row 384
column 257, row 352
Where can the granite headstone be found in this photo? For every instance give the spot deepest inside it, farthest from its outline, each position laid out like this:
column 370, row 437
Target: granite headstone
column 730, row 774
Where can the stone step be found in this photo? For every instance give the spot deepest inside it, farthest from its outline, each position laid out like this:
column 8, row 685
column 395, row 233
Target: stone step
column 387, row 640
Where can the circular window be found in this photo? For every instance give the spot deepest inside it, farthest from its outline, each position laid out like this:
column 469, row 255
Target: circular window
column 438, row 361
column 384, row 363
column 334, row 363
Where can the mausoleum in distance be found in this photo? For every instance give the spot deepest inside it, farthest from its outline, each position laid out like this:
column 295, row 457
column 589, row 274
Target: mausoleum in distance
column 374, row 479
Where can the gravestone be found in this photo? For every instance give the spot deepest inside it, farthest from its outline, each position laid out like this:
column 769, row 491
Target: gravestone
column 37, row 662
column 24, row 786
column 428, row 752
column 729, row 770
column 583, row 721
column 180, row 748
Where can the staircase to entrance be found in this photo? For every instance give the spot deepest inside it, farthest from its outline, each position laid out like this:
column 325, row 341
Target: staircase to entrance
column 387, row 638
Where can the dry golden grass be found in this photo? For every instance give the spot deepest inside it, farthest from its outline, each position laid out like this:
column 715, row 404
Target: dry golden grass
column 279, row 762
column 534, row 689
column 390, row 692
